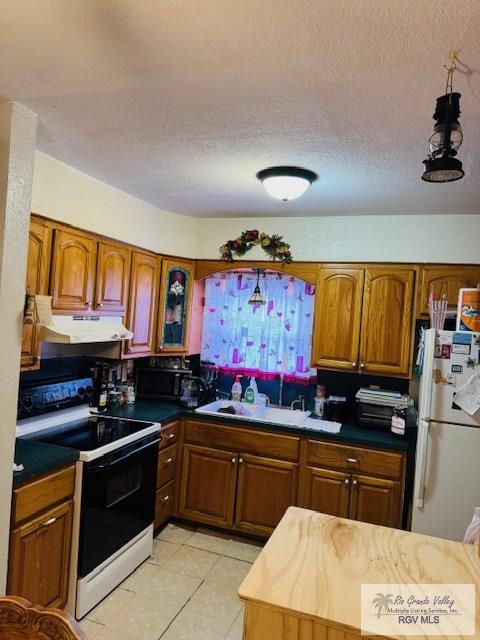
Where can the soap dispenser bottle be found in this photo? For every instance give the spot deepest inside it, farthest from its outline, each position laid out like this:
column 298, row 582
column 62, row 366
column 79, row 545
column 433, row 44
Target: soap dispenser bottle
column 237, row 389
column 251, row 392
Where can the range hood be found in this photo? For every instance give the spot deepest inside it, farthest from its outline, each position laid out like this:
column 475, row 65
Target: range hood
column 84, row 329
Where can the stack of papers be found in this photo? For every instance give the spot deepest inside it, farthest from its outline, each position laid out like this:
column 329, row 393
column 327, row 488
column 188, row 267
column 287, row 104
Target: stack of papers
column 380, row 397
column 321, row 425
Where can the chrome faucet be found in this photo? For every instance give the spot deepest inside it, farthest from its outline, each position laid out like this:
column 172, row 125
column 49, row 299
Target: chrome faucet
column 267, row 398
column 222, row 394
column 300, row 400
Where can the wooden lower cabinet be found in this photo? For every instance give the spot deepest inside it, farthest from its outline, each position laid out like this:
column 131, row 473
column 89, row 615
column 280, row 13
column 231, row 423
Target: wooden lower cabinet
column 39, row 559
column 207, row 485
column 376, row 500
column 231, row 477
column 265, row 489
column 327, row 491
column 164, row 503
column 358, row 497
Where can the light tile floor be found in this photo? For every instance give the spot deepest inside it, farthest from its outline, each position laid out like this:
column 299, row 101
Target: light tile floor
column 186, row 590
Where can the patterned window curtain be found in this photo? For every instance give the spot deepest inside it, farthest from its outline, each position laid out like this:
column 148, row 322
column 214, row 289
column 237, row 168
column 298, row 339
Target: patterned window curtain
column 260, row 340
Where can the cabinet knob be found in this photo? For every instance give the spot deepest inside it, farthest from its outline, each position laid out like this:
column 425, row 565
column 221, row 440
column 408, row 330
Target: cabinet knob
column 240, row 460
column 354, row 481
column 166, row 498
column 100, row 304
column 362, row 365
column 352, row 460
column 234, row 460
column 171, row 435
column 89, row 303
column 169, row 461
column 347, row 480
column 354, row 364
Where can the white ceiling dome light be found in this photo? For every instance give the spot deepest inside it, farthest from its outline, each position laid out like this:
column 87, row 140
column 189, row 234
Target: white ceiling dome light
column 286, row 183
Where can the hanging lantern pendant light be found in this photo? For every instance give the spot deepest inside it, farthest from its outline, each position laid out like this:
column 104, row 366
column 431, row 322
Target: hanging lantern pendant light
column 256, row 297
column 441, row 164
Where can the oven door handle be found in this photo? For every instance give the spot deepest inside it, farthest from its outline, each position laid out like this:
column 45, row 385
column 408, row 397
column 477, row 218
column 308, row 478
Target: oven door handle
column 108, row 465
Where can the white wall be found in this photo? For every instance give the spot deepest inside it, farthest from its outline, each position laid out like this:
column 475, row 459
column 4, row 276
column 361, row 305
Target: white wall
column 18, row 130
column 63, row 193
column 434, row 238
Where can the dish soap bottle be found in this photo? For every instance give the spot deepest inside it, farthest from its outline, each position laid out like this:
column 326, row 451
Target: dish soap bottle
column 251, row 392
column 237, row 389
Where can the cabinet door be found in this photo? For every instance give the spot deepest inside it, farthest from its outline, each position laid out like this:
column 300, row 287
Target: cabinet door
column 113, row 276
column 73, row 271
column 386, row 336
column 446, row 279
column 207, row 485
column 142, row 303
column 338, row 307
column 38, row 266
column 39, row 559
column 376, row 500
column 326, row 491
column 266, row 488
column 174, row 308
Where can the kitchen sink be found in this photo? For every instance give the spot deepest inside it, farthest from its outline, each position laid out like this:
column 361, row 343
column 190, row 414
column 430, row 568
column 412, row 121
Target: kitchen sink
column 255, row 412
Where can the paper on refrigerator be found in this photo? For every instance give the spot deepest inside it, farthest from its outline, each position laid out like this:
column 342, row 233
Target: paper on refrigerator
column 468, row 396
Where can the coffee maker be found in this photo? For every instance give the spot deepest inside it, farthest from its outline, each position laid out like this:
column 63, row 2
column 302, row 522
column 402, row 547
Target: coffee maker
column 193, row 392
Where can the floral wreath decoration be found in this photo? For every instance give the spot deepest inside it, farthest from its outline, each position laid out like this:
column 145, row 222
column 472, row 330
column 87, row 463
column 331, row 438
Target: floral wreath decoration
column 273, row 245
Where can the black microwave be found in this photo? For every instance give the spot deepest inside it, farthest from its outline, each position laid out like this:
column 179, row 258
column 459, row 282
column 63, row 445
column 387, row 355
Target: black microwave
column 160, row 384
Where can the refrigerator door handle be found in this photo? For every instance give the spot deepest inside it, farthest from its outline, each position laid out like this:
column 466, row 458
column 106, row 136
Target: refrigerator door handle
column 421, row 463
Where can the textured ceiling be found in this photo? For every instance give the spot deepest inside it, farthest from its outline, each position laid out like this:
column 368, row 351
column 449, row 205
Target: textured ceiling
column 181, row 102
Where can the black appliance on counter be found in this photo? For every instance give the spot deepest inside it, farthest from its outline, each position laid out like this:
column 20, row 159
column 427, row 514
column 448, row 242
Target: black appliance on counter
column 374, row 416
column 157, row 383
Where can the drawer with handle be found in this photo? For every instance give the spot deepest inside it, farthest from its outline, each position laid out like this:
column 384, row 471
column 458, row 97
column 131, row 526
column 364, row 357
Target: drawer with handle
column 164, row 503
column 38, row 495
column 167, row 461
column 355, row 459
column 169, row 434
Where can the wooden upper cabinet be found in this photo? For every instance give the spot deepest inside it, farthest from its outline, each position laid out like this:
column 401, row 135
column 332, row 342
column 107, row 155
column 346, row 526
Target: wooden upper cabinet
column 386, row 334
column 176, row 287
column 445, row 279
column 338, row 308
column 73, row 271
column 142, row 306
column 113, row 276
column 38, row 267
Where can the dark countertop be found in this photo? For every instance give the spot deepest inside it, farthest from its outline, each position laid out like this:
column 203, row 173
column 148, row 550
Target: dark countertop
column 38, row 458
column 158, row 411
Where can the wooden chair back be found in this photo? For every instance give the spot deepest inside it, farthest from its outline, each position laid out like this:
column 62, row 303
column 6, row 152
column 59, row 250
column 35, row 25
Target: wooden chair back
column 22, row 620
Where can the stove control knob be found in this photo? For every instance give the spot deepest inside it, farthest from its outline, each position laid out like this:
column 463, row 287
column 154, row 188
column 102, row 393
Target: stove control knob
column 81, row 392
column 27, row 403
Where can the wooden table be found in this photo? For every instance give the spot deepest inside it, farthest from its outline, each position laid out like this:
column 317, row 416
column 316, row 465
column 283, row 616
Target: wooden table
column 305, row 584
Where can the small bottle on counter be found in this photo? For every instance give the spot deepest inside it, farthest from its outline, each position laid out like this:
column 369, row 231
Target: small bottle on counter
column 320, row 401
column 130, row 394
column 100, row 387
column 237, row 389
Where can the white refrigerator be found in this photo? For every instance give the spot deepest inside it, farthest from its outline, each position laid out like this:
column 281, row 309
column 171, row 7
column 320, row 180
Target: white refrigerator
column 447, row 465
